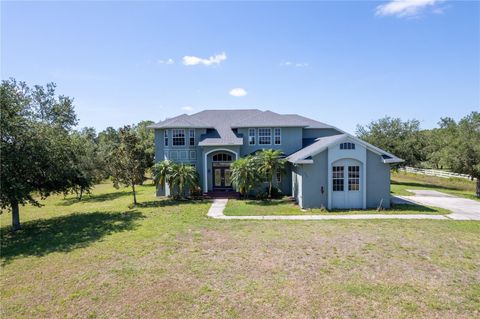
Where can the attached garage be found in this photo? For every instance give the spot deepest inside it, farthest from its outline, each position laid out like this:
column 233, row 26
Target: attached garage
column 337, row 171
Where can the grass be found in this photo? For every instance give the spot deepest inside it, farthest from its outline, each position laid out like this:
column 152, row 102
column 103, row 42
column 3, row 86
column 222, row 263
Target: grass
column 401, row 182
column 102, row 258
column 286, row 207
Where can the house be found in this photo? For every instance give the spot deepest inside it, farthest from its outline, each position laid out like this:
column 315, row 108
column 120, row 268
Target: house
column 326, row 166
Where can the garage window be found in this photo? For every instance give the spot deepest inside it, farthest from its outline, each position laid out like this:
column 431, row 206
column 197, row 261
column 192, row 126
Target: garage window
column 354, row 178
column 337, row 178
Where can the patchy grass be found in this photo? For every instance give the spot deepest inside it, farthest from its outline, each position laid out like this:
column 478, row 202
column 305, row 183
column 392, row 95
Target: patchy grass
column 286, row 207
column 455, row 186
column 163, row 259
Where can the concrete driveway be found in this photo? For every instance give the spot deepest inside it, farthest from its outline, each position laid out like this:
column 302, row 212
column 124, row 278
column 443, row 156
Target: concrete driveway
column 461, row 208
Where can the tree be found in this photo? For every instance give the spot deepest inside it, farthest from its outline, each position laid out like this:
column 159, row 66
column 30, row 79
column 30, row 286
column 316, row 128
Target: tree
column 183, row 176
column 107, row 142
column 397, row 137
column 462, row 145
column 87, row 161
column 244, row 174
column 162, row 173
column 35, row 148
column 269, row 163
column 129, row 161
column 147, row 137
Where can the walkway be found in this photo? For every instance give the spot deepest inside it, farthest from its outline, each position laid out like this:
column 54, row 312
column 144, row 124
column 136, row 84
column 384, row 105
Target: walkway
column 219, row 204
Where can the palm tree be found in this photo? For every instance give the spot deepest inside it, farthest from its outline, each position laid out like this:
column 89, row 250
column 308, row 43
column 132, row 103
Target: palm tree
column 162, row 172
column 244, row 175
column 269, row 163
column 184, row 176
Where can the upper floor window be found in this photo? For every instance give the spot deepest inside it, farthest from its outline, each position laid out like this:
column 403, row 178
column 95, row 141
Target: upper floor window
column 251, row 136
column 178, row 137
column 264, row 136
column 192, row 137
column 347, row 146
column 277, row 136
column 165, row 137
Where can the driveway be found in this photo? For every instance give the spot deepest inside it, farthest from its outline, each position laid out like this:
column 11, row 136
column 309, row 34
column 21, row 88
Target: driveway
column 461, row 208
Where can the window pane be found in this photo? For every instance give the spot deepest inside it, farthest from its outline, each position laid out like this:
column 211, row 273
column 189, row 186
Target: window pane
column 337, row 178
column 264, row 136
column 277, row 136
column 354, row 178
column 178, row 137
column 251, row 136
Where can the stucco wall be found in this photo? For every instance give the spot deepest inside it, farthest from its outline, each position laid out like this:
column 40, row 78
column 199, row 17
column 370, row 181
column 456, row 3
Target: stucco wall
column 378, row 181
column 314, row 176
column 291, row 141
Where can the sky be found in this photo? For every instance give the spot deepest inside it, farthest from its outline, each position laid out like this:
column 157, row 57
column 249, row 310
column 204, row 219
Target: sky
column 340, row 62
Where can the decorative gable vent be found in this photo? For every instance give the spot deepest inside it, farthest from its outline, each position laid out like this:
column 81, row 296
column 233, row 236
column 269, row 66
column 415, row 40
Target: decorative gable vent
column 347, row 146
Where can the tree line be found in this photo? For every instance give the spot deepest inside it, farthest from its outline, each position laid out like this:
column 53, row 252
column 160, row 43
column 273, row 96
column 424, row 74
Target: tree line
column 453, row 145
column 42, row 154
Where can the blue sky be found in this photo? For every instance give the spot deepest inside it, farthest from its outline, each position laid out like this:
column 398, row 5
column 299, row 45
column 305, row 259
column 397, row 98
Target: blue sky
column 343, row 63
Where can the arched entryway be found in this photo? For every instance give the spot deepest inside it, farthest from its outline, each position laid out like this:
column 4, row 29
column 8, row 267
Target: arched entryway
column 217, row 170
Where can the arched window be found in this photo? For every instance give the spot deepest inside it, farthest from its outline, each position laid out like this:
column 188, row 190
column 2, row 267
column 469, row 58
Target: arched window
column 347, row 146
column 222, row 157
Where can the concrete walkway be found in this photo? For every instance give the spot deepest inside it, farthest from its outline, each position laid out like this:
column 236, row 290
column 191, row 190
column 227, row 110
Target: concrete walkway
column 219, row 204
column 461, row 208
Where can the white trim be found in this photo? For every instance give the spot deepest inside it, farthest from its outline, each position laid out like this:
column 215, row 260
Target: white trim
column 366, row 145
column 254, row 136
column 279, row 128
column 271, row 135
column 205, row 176
column 184, row 137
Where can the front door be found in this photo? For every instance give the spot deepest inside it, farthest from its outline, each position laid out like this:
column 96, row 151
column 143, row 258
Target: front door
column 222, row 178
column 347, row 190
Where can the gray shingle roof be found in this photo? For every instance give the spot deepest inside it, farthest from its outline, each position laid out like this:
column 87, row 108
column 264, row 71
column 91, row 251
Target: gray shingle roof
column 224, row 120
column 181, row 121
column 319, row 145
column 304, row 155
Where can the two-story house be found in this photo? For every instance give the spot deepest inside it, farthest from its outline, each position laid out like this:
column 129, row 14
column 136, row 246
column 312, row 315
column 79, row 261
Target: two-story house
column 326, row 166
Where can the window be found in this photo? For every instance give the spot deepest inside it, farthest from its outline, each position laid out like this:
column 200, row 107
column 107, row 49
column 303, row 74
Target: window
column 178, row 136
column 347, row 146
column 251, row 136
column 354, row 178
column 222, row 157
column 264, row 136
column 192, row 137
column 277, row 136
column 279, row 178
column 193, row 155
column 165, row 136
column 337, row 178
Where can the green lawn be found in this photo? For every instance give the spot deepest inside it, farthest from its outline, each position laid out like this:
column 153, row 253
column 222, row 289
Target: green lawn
column 99, row 258
column 454, row 186
column 285, row 207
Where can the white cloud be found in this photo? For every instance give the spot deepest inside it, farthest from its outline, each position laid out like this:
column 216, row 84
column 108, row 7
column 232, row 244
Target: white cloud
column 169, row 61
column 405, row 8
column 187, row 109
column 297, row 65
column 194, row 60
column 238, row 92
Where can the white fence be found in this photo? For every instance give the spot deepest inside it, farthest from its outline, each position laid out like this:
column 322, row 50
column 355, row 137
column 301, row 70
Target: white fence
column 433, row 172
